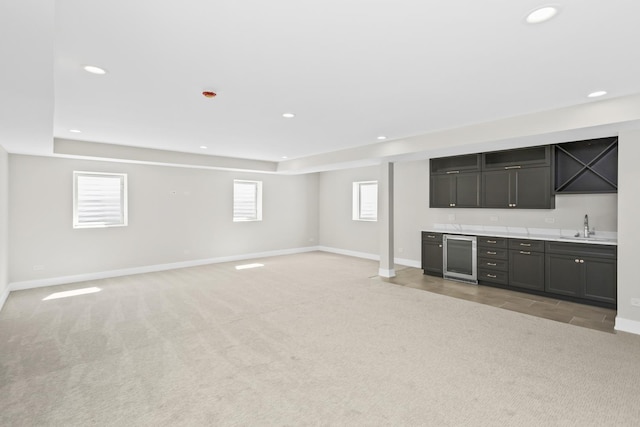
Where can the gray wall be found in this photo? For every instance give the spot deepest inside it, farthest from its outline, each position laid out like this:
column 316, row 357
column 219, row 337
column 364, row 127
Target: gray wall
column 412, row 212
column 4, row 223
column 414, row 215
column 338, row 230
column 194, row 224
column 628, row 219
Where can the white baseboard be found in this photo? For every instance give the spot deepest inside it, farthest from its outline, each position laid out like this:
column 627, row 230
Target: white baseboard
column 3, row 297
column 383, row 272
column 349, row 253
column 626, row 325
column 408, row 262
column 30, row 284
column 400, row 261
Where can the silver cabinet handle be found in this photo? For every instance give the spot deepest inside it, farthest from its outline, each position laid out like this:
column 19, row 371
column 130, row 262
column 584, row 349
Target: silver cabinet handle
column 513, row 167
column 525, row 253
column 453, row 172
column 493, row 276
column 491, row 253
column 492, row 264
column 492, row 241
column 577, row 260
column 430, row 236
column 581, row 261
column 439, row 246
column 525, row 244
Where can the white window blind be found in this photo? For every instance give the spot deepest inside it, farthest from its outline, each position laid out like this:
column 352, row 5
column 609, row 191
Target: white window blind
column 100, row 199
column 247, row 200
column 365, row 201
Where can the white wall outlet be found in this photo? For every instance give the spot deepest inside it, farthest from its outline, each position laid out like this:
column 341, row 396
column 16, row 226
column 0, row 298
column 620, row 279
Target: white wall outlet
column 173, row 192
column 38, row 267
column 452, row 217
column 493, row 218
column 550, row 220
column 635, row 302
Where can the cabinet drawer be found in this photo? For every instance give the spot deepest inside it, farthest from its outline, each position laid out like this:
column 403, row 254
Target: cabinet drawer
column 431, row 237
column 493, row 264
column 527, row 245
column 501, row 277
column 582, row 249
column 492, row 242
column 492, row 253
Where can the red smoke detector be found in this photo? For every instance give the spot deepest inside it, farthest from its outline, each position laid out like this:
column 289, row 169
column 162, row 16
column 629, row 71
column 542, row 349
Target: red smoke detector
column 208, row 94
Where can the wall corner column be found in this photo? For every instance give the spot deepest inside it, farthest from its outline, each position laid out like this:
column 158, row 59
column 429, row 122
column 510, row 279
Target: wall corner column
column 385, row 220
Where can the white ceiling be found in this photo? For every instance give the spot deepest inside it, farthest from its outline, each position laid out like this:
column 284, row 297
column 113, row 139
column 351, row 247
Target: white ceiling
column 350, row 70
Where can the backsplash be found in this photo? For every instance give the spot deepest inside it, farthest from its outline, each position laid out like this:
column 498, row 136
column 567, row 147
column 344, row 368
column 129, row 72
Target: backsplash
column 567, row 218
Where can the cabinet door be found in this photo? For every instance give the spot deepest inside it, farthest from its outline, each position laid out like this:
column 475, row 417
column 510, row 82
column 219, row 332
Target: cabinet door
column 519, row 157
column 467, row 190
column 533, row 188
column 526, row 270
column 563, row 274
column 432, row 258
column 495, row 189
column 600, row 279
column 440, row 191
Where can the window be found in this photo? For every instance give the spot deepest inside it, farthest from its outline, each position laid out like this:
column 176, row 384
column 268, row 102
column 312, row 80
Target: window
column 247, row 200
column 365, row 201
column 99, row 199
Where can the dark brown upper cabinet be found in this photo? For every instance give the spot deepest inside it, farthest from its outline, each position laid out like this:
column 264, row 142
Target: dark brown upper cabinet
column 510, row 179
column 456, row 164
column 528, row 188
column 519, row 178
column 455, row 182
column 517, row 158
column 589, row 166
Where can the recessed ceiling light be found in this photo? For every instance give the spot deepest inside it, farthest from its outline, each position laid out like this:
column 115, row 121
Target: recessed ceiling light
column 382, row 137
column 597, row 93
column 542, row 14
column 288, row 115
column 94, row 70
column 75, row 131
column 204, row 147
column 285, row 157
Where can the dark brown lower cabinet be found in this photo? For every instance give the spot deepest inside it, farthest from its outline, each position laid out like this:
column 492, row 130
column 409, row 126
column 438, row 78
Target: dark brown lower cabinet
column 493, row 261
column 580, row 272
column 432, row 253
column 563, row 275
column 583, row 271
column 600, row 277
column 526, row 269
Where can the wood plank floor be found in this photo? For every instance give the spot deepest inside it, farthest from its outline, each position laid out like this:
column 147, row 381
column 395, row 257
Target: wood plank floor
column 601, row 319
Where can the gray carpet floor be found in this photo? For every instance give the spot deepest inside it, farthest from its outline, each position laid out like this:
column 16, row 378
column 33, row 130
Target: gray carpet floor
column 308, row 339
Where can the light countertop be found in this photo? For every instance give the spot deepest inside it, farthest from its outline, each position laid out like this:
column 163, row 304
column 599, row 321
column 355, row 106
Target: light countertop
column 554, row 235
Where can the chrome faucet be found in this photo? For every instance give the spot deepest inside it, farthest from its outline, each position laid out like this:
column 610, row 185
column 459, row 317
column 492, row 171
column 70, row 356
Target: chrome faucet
column 587, row 233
